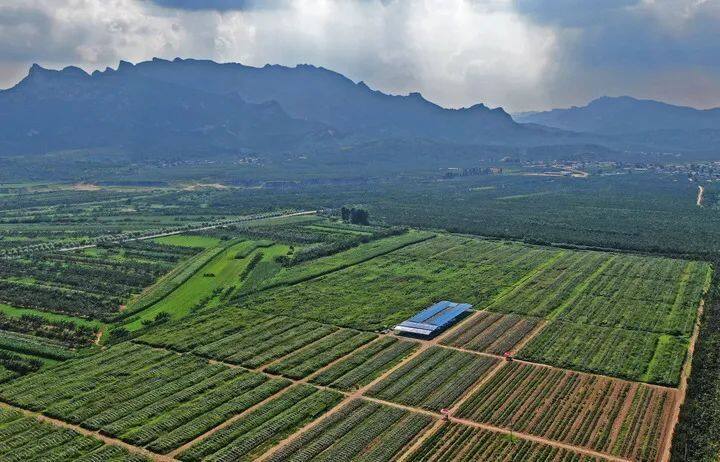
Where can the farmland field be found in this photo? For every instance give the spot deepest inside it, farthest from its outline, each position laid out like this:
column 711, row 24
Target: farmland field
column 19, row 436
column 270, row 340
column 433, row 380
column 616, row 417
column 360, row 431
column 491, row 332
column 465, row 444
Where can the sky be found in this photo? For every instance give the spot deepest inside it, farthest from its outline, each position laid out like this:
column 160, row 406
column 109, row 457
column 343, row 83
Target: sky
column 518, row 54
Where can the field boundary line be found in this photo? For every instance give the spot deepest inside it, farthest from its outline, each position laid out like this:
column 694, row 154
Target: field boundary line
column 525, row 279
column 530, row 335
column 94, row 434
column 357, row 394
column 580, row 289
column 492, row 428
column 665, row 449
column 227, row 422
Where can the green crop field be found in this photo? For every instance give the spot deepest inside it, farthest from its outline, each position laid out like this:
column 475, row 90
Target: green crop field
column 25, row 438
column 271, row 339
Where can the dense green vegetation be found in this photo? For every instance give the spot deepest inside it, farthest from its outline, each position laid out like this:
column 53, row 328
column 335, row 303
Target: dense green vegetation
column 433, row 380
column 359, row 431
column 575, row 408
column 215, row 325
column 20, row 435
column 466, row 444
column 163, row 401
column 697, row 435
column 256, row 432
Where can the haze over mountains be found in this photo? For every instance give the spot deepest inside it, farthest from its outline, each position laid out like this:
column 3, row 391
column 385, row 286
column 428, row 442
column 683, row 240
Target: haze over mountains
column 200, row 107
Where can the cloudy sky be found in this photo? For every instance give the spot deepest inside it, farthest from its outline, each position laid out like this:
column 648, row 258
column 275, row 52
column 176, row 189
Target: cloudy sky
column 519, row 54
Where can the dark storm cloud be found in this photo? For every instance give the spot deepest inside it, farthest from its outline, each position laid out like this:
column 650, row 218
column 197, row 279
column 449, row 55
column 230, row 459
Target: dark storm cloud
column 521, row 54
column 664, row 49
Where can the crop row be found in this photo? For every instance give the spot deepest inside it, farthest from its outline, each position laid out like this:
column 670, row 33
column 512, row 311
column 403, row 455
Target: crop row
column 25, row 438
column 317, row 355
column 491, row 332
column 205, row 328
column 259, row 344
column 163, row 400
column 622, row 418
column 460, row 443
column 35, row 346
column 363, row 366
column 434, row 379
column 253, row 433
column 629, row 354
column 359, row 431
column 549, row 288
column 642, row 303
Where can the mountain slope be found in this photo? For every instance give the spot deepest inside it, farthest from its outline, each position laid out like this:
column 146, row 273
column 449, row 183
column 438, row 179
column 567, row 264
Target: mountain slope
column 314, row 93
column 69, row 109
column 626, row 115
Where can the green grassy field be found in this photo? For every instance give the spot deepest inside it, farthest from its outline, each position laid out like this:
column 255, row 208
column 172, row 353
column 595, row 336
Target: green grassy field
column 206, row 286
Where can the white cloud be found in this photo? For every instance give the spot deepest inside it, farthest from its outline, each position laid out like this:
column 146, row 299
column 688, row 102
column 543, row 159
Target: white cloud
column 456, row 52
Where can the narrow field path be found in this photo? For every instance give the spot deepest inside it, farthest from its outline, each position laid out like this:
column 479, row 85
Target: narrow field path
column 94, row 434
column 666, row 444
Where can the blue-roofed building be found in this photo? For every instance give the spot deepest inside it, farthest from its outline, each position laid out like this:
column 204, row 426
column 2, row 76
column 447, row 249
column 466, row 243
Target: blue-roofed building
column 433, row 319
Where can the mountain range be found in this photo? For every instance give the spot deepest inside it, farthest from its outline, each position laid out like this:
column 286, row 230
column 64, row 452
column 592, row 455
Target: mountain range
column 187, row 106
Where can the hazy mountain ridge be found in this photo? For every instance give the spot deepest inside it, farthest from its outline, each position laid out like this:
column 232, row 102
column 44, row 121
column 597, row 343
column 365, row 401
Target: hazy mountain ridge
column 625, row 115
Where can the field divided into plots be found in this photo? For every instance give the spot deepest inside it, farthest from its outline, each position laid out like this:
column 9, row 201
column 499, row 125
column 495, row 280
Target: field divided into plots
column 616, row 417
column 461, row 443
column 381, row 292
column 359, row 431
column 257, row 431
column 24, row 438
column 434, row 379
column 234, row 379
column 493, row 333
column 143, row 396
column 365, row 365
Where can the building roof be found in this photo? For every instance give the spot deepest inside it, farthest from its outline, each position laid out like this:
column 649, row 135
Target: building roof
column 434, row 318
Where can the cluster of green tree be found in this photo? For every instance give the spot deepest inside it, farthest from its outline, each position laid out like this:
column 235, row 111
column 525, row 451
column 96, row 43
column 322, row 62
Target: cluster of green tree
column 355, row 216
column 67, row 332
column 58, row 300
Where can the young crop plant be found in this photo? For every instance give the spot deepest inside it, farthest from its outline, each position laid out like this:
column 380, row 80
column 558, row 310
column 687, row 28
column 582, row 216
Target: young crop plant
column 319, row 354
column 461, row 443
column 256, row 432
column 162, row 401
column 433, row 380
column 629, row 354
column 622, row 418
column 359, row 431
column 491, row 332
column 363, row 366
column 25, row 438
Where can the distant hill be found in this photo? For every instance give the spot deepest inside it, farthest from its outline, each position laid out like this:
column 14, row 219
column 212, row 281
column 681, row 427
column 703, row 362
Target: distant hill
column 69, row 109
column 314, row 93
column 625, row 115
column 195, row 106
